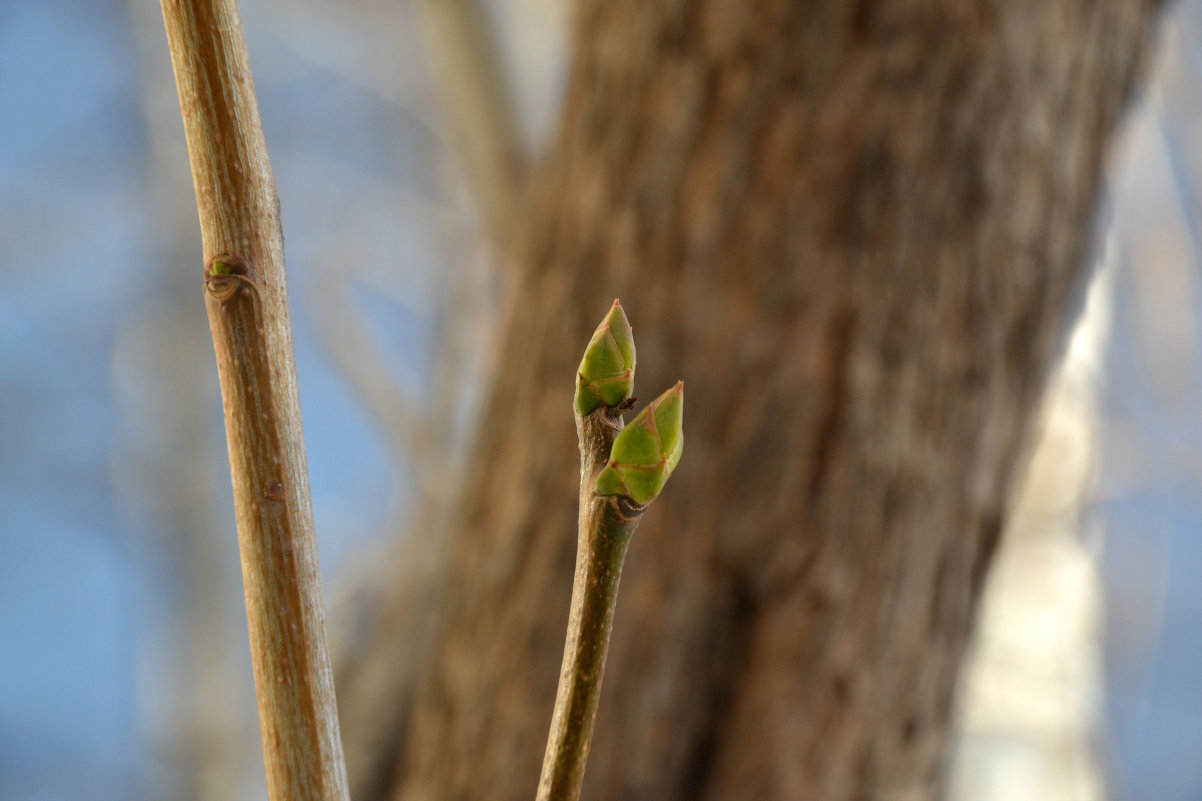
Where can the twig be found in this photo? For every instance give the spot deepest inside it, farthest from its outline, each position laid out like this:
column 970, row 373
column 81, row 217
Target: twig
column 611, row 504
column 246, row 298
column 605, row 530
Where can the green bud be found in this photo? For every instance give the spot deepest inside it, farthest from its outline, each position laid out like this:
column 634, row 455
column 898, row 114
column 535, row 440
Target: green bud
column 606, row 373
column 647, row 451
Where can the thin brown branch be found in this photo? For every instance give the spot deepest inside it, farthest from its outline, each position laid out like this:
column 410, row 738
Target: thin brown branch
column 246, row 297
column 605, row 527
column 479, row 111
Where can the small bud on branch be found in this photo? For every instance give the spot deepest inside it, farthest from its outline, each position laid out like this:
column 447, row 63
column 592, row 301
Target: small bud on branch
column 647, row 451
column 606, row 373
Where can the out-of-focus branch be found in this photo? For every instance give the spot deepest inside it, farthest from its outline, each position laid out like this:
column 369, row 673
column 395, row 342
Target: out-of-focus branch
column 485, row 141
column 395, row 613
column 472, row 90
column 354, row 353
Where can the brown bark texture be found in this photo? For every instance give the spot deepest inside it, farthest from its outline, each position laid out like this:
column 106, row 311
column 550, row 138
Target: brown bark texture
column 246, row 297
column 855, row 230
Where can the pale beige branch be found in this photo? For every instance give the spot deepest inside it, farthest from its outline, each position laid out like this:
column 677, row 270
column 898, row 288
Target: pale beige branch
column 245, row 293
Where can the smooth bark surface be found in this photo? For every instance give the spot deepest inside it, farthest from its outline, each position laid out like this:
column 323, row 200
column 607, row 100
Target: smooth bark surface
column 246, row 298
column 855, row 230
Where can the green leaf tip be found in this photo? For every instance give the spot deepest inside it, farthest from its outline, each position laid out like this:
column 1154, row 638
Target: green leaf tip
column 220, row 267
column 646, row 452
column 606, row 373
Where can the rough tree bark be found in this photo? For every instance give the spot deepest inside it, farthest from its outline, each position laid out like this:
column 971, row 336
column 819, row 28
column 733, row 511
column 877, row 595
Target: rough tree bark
column 854, row 229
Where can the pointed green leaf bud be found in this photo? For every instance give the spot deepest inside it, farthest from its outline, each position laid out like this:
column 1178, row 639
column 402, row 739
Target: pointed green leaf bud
column 606, row 373
column 647, row 451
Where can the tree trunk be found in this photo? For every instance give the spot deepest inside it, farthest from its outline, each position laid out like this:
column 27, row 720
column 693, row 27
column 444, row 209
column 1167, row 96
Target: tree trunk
column 854, row 229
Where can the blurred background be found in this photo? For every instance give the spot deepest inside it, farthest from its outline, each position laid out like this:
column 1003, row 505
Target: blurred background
column 124, row 667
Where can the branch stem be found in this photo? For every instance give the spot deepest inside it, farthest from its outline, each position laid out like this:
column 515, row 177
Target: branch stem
column 246, row 298
column 605, row 527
